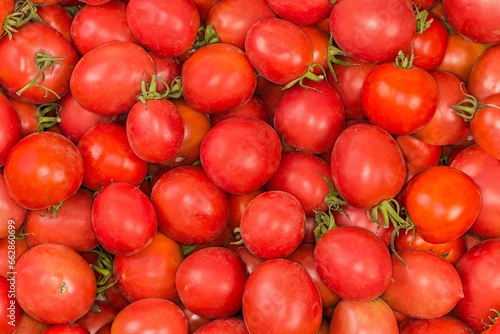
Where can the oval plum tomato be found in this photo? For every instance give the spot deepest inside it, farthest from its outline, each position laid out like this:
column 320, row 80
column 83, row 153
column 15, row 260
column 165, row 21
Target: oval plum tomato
column 10, row 311
column 36, row 48
column 223, row 326
column 167, row 28
column 410, row 291
column 375, row 317
column 400, row 100
column 485, row 75
column 155, row 130
column 150, row 273
column 304, row 255
column 217, row 78
column 10, row 128
column 461, row 55
column 108, row 78
column 373, row 31
column 10, row 211
column 238, row 205
column 367, row 166
column 152, row 315
column 445, row 127
column 210, row 282
column 233, row 18
column 57, row 17
column 76, row 120
column 66, row 329
column 305, row 13
column 482, row 293
column 308, row 119
column 108, row 157
column 273, row 225
column 354, row 263
column 69, row 226
column 430, row 44
column 439, row 325
column 123, row 219
column 42, row 170
column 486, row 124
column 350, row 81
column 301, row 175
column 275, row 290
column 96, row 25
column 485, row 171
column 279, row 50
column 6, row 8
column 101, row 314
column 418, row 155
column 190, row 208
column 240, row 154
column 474, row 21
column 452, row 251
column 442, row 202
column 54, row 284
column 253, row 108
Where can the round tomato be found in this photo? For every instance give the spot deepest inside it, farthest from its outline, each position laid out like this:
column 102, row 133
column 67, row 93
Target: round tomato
column 485, row 125
column 238, row 204
column 439, row 325
column 224, row 326
column 101, row 314
column 430, row 43
column 484, row 77
column 10, row 128
column 307, row 13
column 418, row 155
column 6, row 8
column 57, row 17
column 66, row 328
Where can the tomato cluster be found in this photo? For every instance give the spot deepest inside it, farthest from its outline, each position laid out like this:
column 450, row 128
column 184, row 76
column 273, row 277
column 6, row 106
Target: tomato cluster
column 249, row 166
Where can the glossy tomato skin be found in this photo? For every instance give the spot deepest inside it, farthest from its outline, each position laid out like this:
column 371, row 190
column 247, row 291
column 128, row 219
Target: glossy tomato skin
column 430, row 45
column 486, row 124
column 238, row 204
column 476, row 268
column 194, row 321
column 250, row 260
column 166, row 28
column 28, row 325
column 10, row 128
column 167, row 69
column 310, row 120
column 66, row 329
column 474, row 21
column 409, row 291
column 276, row 289
column 370, row 317
column 273, row 225
column 320, row 40
column 373, row 31
column 6, row 8
column 253, row 108
column 58, row 18
column 54, row 284
column 20, row 248
column 41, row 182
column 307, row 13
column 367, row 166
column 150, row 273
column 123, row 219
column 219, row 293
column 10, row 310
column 27, row 114
column 218, row 78
column 485, row 171
column 108, row 78
column 418, row 155
column 439, row 325
column 108, row 157
column 190, row 208
column 354, row 263
column 484, row 76
column 278, row 49
column 223, row 326
column 143, row 316
column 240, row 154
column 401, row 101
column 442, row 202
column 19, row 67
column 101, row 314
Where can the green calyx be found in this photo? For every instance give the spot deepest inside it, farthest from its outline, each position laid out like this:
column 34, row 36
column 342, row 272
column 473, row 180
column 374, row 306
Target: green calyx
column 308, row 75
column 405, row 61
column 331, row 59
column 43, row 121
column 206, row 36
column 492, row 319
column 325, row 221
column 468, row 107
column 104, row 268
column 421, row 16
column 149, row 92
column 24, row 12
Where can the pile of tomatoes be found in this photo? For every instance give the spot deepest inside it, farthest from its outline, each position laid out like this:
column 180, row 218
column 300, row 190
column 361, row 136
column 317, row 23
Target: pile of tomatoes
column 249, row 166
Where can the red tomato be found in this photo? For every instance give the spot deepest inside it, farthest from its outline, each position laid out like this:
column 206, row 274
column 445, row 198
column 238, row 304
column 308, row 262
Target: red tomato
column 52, row 170
column 430, row 45
column 167, row 69
column 240, row 154
column 28, row 325
column 367, row 166
column 166, row 28
column 23, row 58
column 474, row 21
column 101, row 314
column 271, row 96
column 320, row 40
column 153, row 315
column 218, row 78
column 354, row 263
column 57, row 17
column 210, row 282
column 204, row 7
column 224, row 326
column 305, row 13
column 27, row 114
column 442, row 202
column 370, row 317
column 108, row 78
column 477, row 268
column 10, row 312
column 373, row 31
column 114, row 295
column 251, row 261
column 410, row 291
column 11, row 252
column 274, row 291
column 418, row 155
column 308, row 119
column 150, row 273
column 194, row 321
column 238, row 204
column 54, row 284
column 253, row 108
column 70, row 226
column 66, row 329
column 6, row 8
column 105, row 330
column 123, row 219
column 486, row 124
column 108, row 157
column 485, row 75
column 190, row 208
column 10, row 128
column 439, row 325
